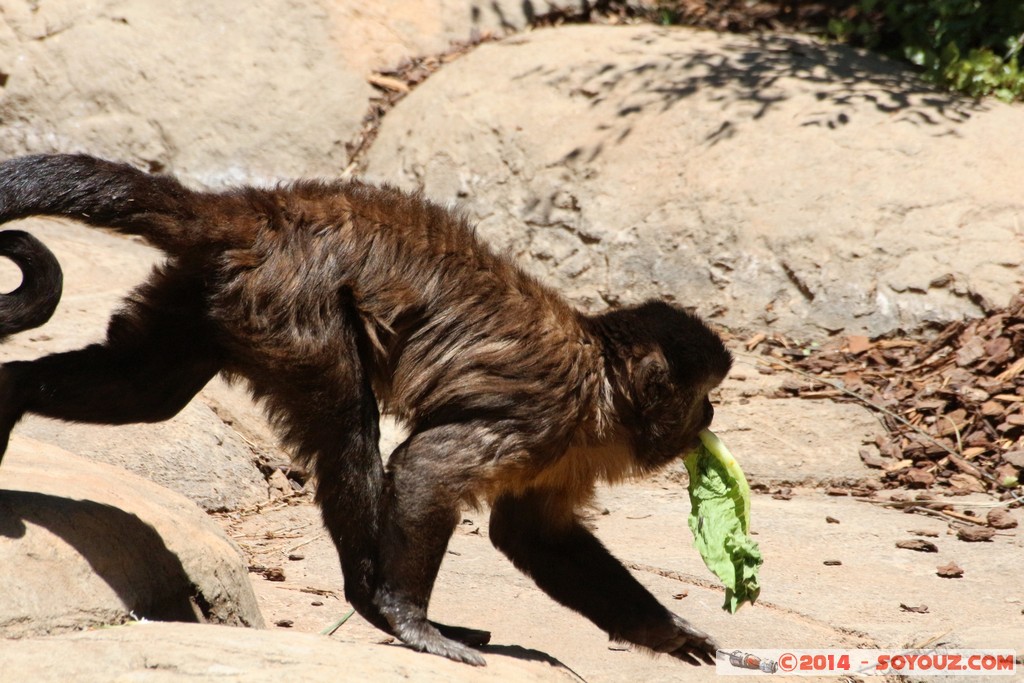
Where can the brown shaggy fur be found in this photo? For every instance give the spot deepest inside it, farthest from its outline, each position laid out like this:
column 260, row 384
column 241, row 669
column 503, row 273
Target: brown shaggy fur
column 336, row 300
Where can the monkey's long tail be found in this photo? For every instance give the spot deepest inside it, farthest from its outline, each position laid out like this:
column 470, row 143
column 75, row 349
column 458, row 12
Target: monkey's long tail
column 36, row 298
column 101, row 193
column 93, row 191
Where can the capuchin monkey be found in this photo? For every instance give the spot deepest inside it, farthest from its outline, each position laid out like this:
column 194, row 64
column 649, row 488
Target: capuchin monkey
column 334, row 300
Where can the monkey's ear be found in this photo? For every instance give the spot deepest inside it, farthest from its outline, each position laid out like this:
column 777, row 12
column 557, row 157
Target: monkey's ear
column 650, row 379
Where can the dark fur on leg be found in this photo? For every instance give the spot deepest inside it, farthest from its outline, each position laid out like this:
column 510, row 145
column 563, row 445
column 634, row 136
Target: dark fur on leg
column 555, row 550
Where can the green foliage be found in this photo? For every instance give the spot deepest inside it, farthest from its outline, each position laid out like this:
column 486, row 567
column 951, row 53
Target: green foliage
column 969, row 45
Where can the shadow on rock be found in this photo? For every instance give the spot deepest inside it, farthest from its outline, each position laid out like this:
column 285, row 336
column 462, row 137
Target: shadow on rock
column 755, row 72
column 121, row 549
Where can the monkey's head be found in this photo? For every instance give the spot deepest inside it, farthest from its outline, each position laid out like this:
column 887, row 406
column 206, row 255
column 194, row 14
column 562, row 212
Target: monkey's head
column 663, row 361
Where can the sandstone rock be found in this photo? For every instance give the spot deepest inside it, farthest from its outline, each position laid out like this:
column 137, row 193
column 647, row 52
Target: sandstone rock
column 172, row 652
column 381, row 34
column 767, row 181
column 183, row 86
column 84, row 544
column 193, row 453
column 217, row 92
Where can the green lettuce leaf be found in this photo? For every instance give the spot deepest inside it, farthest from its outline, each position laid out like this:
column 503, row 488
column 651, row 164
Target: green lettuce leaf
column 720, row 520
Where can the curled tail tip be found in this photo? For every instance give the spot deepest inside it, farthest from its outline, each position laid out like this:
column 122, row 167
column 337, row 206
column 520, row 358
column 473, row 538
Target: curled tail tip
column 33, row 302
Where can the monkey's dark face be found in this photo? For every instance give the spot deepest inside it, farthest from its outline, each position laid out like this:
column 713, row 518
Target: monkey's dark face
column 673, row 361
column 671, row 415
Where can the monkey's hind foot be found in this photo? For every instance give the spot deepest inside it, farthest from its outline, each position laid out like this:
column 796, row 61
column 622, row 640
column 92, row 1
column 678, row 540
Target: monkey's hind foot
column 467, row 636
column 423, row 636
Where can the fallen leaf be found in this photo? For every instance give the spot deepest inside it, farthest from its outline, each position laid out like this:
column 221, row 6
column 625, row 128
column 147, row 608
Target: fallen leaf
column 872, row 458
column 918, row 478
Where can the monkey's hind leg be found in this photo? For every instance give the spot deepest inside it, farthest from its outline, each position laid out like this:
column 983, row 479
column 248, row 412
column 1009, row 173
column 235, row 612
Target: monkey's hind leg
column 158, row 354
column 539, row 532
column 421, row 513
column 341, row 435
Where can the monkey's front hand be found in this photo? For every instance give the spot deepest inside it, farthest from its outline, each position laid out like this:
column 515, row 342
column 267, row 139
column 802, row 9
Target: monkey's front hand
column 686, row 643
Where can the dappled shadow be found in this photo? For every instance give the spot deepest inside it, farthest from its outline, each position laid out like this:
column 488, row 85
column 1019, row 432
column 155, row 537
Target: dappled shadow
column 753, row 76
column 123, row 550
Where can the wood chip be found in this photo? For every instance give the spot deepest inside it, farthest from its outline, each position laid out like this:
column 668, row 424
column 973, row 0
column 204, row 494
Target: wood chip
column 966, row 483
column 918, row 478
column 753, row 342
column 388, row 83
column 917, row 609
column 975, row 534
column 274, row 574
column 1000, row 518
column 858, row 344
column 918, row 544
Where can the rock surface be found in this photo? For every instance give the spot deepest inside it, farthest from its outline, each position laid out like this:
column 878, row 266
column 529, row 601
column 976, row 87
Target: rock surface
column 219, row 93
column 172, row 652
column 84, row 544
column 804, row 603
column 771, row 183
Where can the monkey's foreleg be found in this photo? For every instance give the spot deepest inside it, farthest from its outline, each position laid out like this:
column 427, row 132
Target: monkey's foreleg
column 540, row 534
column 422, row 511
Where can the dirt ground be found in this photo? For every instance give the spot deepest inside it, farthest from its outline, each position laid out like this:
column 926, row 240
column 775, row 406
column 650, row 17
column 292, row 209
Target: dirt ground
column 833, row 575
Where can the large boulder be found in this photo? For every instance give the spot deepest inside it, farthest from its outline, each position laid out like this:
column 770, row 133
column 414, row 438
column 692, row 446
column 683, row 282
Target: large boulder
column 85, row 544
column 218, row 92
column 767, row 181
column 194, row 453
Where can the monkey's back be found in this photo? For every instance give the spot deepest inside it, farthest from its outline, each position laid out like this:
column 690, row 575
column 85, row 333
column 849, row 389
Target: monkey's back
column 450, row 327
